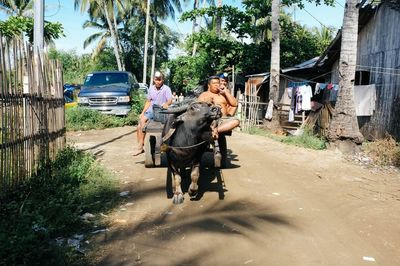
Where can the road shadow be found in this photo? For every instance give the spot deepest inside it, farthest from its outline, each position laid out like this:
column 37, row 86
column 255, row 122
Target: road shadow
column 109, row 141
column 157, row 235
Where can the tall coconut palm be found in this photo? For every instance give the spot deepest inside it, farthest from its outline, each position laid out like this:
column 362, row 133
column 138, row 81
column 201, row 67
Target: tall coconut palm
column 218, row 27
column 17, row 7
column 162, row 9
column 106, row 8
column 102, row 36
column 275, row 64
column 344, row 124
column 196, row 5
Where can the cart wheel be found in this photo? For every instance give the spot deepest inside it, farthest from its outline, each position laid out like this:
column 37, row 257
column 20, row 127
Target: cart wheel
column 148, row 152
column 223, row 150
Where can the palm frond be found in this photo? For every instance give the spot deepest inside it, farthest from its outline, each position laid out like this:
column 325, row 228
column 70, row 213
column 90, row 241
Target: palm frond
column 99, row 47
column 92, row 38
column 94, row 24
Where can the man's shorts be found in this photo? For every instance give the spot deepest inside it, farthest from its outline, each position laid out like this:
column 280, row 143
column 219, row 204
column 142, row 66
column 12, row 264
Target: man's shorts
column 149, row 115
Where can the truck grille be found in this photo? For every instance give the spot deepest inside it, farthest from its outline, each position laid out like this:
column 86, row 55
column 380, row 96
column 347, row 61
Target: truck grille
column 103, row 100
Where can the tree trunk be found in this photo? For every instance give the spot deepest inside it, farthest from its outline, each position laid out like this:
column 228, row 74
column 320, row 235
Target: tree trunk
column 344, row 124
column 117, row 38
column 218, row 23
column 153, row 61
column 273, row 123
column 113, row 36
column 195, row 6
column 146, row 41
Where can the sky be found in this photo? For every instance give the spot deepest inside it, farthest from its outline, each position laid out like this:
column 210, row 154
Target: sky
column 63, row 11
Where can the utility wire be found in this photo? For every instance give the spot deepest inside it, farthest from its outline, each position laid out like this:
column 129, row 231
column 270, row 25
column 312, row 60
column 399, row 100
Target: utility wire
column 339, row 4
column 322, row 24
column 387, row 68
column 58, row 10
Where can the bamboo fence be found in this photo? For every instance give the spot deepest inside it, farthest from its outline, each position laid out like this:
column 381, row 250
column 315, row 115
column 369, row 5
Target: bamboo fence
column 32, row 121
column 249, row 109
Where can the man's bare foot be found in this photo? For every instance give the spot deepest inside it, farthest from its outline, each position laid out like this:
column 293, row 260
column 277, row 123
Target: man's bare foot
column 138, row 151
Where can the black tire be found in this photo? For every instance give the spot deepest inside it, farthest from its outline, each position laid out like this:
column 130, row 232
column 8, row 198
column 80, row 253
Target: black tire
column 224, row 150
column 148, row 152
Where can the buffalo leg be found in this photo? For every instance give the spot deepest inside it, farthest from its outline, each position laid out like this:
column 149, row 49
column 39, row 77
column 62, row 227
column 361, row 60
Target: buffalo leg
column 178, row 194
column 195, row 173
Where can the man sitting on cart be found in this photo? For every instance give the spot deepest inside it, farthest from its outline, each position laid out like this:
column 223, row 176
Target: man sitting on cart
column 158, row 93
column 221, row 96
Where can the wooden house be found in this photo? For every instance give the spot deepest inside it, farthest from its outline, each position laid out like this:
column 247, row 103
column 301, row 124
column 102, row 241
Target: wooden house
column 378, row 63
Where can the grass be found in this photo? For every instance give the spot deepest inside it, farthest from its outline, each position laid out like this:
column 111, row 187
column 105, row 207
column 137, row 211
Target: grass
column 79, row 118
column 383, row 152
column 49, row 206
column 306, row 140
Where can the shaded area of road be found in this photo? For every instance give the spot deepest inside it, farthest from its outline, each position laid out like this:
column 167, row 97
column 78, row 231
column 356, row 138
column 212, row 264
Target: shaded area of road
column 274, row 205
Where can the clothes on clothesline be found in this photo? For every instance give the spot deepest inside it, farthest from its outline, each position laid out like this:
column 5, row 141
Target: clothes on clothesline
column 329, row 86
column 364, row 99
column 300, row 99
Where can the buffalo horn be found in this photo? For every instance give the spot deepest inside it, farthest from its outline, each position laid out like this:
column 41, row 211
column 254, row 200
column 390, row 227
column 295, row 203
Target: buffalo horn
column 175, row 110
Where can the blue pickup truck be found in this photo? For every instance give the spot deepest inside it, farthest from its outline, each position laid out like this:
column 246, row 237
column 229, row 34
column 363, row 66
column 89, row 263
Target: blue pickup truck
column 108, row 92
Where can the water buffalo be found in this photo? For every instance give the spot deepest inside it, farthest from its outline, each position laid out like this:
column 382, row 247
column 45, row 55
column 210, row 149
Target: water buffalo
column 186, row 135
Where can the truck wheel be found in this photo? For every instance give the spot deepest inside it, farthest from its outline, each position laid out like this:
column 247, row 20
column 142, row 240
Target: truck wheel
column 148, row 152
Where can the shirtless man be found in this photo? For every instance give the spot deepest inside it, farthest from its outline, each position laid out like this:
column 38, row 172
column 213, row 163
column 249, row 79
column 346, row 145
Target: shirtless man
column 222, row 97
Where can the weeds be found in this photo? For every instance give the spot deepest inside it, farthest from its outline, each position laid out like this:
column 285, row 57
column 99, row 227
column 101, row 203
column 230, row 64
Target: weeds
column 80, row 118
column 383, row 152
column 49, row 205
column 306, row 140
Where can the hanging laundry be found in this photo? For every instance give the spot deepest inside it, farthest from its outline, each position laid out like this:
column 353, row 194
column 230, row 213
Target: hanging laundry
column 319, row 87
column 293, row 99
column 306, row 93
column 291, row 115
column 329, row 86
column 334, row 92
column 270, row 108
column 364, row 99
column 299, row 101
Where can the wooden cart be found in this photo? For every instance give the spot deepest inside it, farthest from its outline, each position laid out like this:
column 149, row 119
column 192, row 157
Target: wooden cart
column 153, row 141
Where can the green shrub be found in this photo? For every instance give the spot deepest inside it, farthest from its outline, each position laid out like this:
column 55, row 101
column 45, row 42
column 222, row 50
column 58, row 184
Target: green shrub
column 138, row 99
column 306, row 140
column 80, row 118
column 49, row 205
column 384, row 151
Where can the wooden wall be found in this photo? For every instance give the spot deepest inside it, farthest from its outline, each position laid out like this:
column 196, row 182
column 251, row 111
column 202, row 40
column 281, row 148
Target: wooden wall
column 379, row 53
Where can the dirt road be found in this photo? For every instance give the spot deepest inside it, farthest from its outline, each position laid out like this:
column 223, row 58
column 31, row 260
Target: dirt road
column 281, row 205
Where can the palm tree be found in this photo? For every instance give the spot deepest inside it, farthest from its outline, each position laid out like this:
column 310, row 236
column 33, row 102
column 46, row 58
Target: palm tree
column 275, row 64
column 218, row 27
column 103, row 34
column 105, row 8
column 324, row 35
column 17, row 7
column 195, row 24
column 344, row 124
column 162, row 9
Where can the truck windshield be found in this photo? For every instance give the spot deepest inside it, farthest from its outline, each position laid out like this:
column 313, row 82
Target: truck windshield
column 97, row 79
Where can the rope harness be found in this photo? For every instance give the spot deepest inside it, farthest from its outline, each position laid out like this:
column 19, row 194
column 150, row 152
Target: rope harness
column 165, row 147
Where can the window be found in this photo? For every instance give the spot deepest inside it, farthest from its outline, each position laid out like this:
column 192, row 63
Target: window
column 362, row 78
